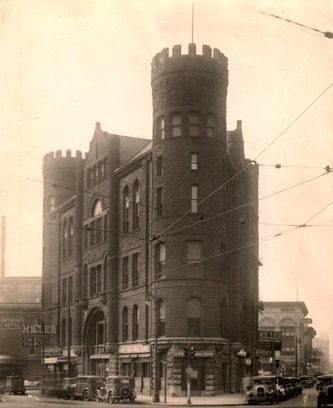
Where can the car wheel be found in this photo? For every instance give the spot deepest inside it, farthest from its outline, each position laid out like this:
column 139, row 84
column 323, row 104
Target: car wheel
column 124, row 392
column 86, row 396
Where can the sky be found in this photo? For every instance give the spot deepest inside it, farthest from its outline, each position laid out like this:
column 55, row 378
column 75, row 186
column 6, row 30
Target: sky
column 66, row 64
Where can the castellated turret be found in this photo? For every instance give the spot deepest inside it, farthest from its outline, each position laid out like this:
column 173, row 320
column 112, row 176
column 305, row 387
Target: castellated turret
column 189, row 134
column 62, row 181
column 59, row 178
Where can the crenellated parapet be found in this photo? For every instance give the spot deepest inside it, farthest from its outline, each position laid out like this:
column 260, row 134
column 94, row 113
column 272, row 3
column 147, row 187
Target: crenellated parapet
column 210, row 60
column 57, row 155
column 207, row 53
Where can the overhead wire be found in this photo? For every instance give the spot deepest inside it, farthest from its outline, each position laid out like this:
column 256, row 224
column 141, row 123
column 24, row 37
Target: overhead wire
column 255, row 159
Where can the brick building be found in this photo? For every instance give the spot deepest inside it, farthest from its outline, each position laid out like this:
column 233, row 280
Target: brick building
column 152, row 245
column 289, row 318
column 20, row 307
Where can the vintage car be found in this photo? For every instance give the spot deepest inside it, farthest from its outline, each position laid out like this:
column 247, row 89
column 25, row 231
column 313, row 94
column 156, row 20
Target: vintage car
column 325, row 391
column 15, row 385
column 65, row 391
column 265, row 388
column 33, row 383
column 119, row 387
column 83, row 387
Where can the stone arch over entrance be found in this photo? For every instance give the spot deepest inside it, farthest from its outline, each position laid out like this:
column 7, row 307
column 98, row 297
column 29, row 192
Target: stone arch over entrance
column 94, row 339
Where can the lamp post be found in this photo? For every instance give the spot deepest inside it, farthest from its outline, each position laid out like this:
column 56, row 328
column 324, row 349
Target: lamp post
column 156, row 388
column 297, row 342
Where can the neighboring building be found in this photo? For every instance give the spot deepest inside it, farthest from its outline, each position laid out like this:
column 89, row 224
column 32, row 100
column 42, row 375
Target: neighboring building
column 20, row 308
column 288, row 318
column 322, row 345
column 150, row 246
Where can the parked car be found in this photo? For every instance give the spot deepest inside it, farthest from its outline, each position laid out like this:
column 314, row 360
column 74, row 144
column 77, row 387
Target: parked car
column 84, row 387
column 15, row 384
column 307, row 380
column 266, row 388
column 325, row 391
column 120, row 387
column 33, row 383
column 65, row 391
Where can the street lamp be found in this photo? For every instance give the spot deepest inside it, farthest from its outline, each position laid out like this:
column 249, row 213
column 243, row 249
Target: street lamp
column 297, row 342
column 156, row 390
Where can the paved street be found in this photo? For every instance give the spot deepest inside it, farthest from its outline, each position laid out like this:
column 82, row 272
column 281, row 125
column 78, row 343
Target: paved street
column 35, row 399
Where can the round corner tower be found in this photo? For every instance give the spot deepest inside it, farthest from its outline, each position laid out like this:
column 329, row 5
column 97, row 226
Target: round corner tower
column 62, row 180
column 189, row 168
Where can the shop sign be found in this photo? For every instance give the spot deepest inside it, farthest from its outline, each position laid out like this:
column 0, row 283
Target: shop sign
column 31, row 341
column 50, row 360
column 11, row 323
column 198, row 353
column 133, row 348
column 38, row 329
column 52, row 350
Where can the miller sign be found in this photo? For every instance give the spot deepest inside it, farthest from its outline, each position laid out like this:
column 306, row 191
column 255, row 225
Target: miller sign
column 38, row 329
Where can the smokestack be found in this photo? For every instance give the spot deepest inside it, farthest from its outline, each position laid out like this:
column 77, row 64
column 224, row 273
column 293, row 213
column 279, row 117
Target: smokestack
column 3, row 245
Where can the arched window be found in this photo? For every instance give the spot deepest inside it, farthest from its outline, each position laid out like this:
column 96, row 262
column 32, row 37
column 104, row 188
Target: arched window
column 70, row 236
column 161, row 318
column 125, row 324
column 193, row 313
column 85, row 281
column 135, row 323
column 64, row 239
column 126, row 210
column 136, row 204
column 97, row 208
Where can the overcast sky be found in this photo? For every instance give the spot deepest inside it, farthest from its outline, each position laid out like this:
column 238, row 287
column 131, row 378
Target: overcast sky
column 65, row 64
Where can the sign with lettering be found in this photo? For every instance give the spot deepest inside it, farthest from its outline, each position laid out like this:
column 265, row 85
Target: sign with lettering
column 52, row 350
column 39, row 329
column 31, row 341
column 269, row 335
column 11, row 323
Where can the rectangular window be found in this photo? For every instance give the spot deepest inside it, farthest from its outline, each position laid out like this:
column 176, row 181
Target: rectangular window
column 93, row 282
column 194, row 199
column 52, row 203
column 194, row 249
column 211, row 125
column 93, row 233
column 89, row 177
column 85, row 282
column 135, row 270
column 64, row 292
column 70, row 289
column 194, row 161
column 125, row 272
column 159, row 204
column 176, row 123
column 105, row 228
column 98, row 230
column 194, row 124
column 85, row 236
column 161, row 128
column 159, row 165
column 193, row 326
column 160, row 261
column 99, row 279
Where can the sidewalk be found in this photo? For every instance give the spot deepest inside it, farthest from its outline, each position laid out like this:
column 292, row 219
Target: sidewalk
column 215, row 400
